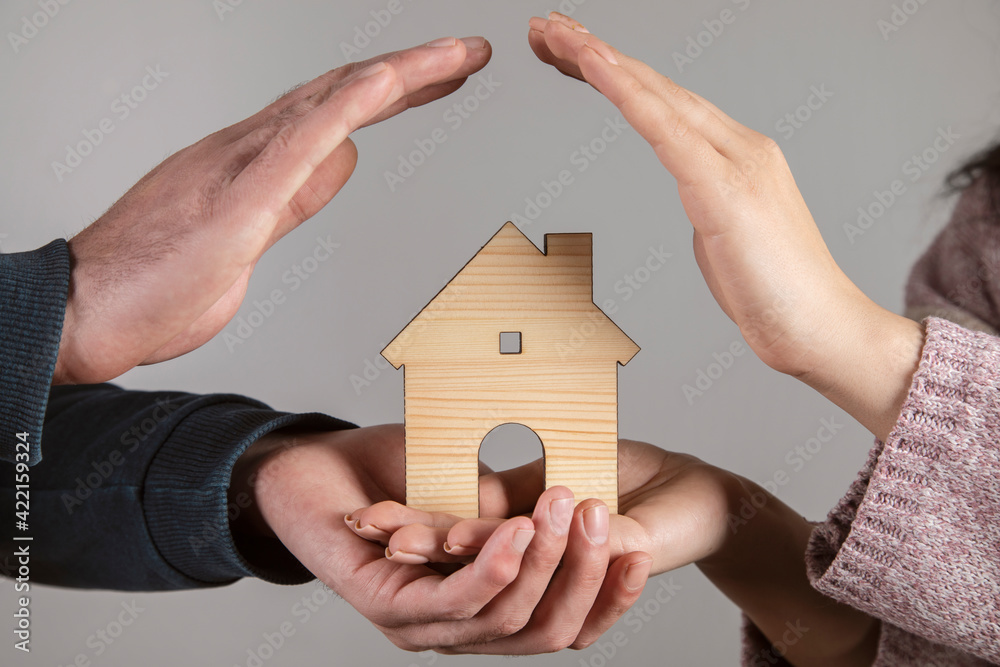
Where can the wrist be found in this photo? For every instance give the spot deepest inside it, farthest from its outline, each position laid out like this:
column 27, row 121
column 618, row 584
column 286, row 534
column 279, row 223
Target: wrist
column 245, row 490
column 755, row 523
column 868, row 364
column 63, row 374
column 762, row 569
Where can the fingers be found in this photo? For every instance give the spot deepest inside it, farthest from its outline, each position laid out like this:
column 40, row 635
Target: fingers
column 478, row 53
column 510, row 492
column 561, row 612
column 649, row 77
column 261, row 193
column 688, row 135
column 308, row 133
column 621, row 589
column 379, row 521
column 677, row 142
column 512, row 609
column 429, row 544
column 461, row 595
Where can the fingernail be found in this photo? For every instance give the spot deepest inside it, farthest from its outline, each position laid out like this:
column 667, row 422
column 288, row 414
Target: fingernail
column 373, row 70
column 561, row 515
column 348, row 519
column 595, row 523
column 636, row 574
column 405, row 557
column 522, row 538
column 459, row 549
column 602, row 50
column 444, row 41
column 371, row 530
column 474, row 42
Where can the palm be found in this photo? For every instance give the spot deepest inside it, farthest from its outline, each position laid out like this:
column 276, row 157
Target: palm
column 673, row 506
column 670, row 505
column 304, row 492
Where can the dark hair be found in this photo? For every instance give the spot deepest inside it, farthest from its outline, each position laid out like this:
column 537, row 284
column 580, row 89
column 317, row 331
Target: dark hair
column 984, row 165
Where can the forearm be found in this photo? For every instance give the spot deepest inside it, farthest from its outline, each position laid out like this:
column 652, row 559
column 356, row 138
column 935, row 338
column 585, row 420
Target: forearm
column 762, row 569
column 133, row 495
column 868, row 360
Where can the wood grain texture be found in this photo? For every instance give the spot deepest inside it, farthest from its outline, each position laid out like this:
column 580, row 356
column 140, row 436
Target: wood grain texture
column 562, row 385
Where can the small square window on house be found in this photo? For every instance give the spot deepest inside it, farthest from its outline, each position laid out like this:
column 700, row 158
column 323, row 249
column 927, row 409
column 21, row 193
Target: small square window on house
column 510, row 342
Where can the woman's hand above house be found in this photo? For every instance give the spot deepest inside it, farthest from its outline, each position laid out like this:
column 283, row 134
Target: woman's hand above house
column 756, row 243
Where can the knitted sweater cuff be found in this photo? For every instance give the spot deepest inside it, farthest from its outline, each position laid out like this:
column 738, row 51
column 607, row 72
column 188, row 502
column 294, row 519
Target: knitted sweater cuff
column 33, row 290
column 186, row 502
column 915, row 540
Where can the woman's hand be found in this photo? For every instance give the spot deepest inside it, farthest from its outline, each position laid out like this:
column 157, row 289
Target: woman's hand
column 755, row 240
column 672, row 506
column 511, row 600
column 679, row 510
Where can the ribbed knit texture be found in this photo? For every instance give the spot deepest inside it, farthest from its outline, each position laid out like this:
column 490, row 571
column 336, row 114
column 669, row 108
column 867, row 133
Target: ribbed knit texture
column 33, row 292
column 916, row 540
column 132, row 493
column 185, row 499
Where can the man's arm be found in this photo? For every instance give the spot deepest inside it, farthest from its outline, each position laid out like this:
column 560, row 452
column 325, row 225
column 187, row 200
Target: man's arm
column 33, row 287
column 132, row 492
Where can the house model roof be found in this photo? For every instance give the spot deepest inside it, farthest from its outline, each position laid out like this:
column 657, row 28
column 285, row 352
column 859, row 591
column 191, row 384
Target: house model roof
column 512, row 286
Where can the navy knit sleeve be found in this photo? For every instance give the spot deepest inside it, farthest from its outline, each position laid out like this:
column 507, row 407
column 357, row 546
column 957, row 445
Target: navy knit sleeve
column 132, row 494
column 33, row 291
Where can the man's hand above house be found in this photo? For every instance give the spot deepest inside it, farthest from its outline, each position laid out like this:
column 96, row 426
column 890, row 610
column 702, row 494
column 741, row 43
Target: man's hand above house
column 511, row 599
column 166, row 268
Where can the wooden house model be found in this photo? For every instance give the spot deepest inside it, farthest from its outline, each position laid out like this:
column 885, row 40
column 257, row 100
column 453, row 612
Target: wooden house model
column 514, row 337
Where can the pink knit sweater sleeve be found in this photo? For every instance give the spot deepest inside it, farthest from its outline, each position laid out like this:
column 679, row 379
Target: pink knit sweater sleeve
column 916, row 540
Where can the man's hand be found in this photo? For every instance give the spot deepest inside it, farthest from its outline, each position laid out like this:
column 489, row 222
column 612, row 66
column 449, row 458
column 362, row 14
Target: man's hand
column 512, row 599
column 681, row 511
column 166, row 268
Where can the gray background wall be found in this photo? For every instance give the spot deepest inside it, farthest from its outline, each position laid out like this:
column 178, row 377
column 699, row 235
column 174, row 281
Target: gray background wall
column 890, row 97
